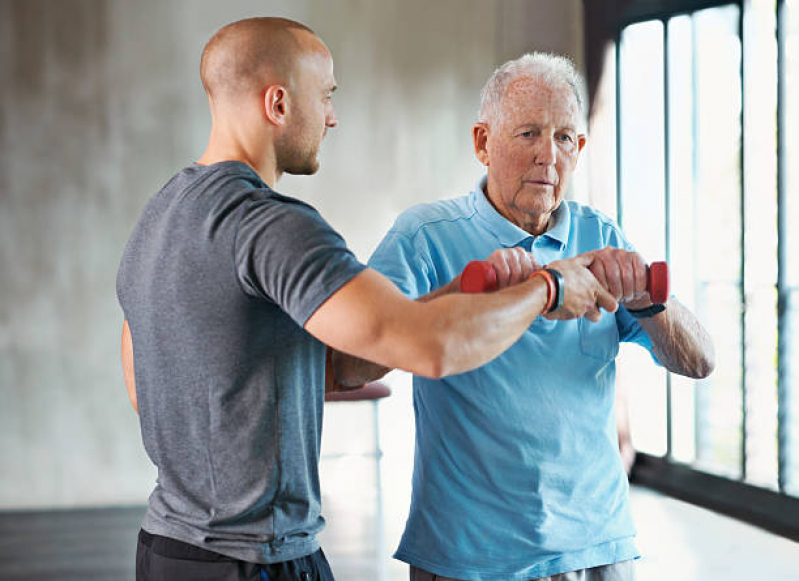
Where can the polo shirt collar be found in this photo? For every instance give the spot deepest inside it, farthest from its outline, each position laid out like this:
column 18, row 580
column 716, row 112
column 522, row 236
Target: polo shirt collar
column 508, row 233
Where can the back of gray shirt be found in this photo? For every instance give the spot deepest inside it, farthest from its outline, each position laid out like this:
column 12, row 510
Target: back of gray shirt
column 217, row 280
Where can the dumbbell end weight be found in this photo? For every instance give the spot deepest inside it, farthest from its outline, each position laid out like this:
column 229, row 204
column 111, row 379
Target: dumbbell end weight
column 478, row 277
column 657, row 282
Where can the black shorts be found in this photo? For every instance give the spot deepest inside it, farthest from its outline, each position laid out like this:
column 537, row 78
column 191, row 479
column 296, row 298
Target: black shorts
column 163, row 559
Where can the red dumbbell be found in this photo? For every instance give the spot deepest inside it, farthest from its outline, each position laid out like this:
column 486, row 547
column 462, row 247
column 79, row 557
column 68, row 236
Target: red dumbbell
column 479, row 276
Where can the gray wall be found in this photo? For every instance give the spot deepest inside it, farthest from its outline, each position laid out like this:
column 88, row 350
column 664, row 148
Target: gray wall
column 100, row 103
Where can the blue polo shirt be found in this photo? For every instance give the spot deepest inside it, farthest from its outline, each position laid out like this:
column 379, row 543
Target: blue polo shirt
column 517, row 473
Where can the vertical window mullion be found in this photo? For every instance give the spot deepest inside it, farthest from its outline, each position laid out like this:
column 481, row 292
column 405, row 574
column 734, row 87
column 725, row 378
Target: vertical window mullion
column 742, row 169
column 783, row 390
column 619, row 205
column 667, row 206
column 701, row 291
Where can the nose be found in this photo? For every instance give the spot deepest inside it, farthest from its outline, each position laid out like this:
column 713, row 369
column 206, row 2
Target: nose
column 546, row 150
column 331, row 120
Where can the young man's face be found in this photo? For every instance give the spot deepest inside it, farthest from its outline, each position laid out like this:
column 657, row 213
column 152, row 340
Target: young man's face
column 312, row 113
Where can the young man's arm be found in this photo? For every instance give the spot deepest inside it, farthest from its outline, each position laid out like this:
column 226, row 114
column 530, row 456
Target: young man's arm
column 371, row 319
column 512, row 265
column 351, row 372
column 127, row 365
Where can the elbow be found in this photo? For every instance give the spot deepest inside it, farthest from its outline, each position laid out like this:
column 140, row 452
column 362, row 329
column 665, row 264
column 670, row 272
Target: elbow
column 429, row 346
column 434, row 359
column 443, row 355
column 433, row 365
column 437, row 371
column 705, row 360
column 704, row 364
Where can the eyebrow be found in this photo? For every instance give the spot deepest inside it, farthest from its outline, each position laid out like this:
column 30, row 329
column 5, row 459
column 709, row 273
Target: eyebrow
column 537, row 126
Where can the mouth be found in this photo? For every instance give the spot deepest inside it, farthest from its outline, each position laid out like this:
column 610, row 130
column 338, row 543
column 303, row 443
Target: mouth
column 546, row 183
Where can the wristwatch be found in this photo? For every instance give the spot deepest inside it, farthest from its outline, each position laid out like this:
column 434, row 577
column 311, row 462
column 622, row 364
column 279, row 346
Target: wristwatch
column 560, row 290
column 650, row 311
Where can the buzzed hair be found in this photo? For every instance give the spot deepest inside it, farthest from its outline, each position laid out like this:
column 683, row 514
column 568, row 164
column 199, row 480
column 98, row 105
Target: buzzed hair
column 554, row 70
column 243, row 54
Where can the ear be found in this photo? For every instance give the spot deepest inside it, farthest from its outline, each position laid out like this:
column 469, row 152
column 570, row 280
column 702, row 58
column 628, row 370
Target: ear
column 480, row 140
column 580, row 142
column 276, row 104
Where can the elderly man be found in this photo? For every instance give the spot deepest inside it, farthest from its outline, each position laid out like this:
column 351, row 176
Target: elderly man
column 229, row 292
column 517, row 473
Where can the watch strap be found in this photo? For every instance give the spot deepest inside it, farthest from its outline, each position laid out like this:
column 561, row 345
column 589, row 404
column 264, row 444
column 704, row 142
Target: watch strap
column 649, row 311
column 559, row 291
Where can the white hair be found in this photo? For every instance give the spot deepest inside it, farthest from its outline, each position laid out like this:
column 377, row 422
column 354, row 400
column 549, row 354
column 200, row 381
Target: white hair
column 554, row 70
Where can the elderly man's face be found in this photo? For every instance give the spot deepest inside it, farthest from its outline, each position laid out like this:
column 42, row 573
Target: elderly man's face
column 531, row 152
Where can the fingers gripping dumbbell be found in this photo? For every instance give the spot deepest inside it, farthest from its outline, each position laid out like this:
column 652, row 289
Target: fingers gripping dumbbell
column 479, row 276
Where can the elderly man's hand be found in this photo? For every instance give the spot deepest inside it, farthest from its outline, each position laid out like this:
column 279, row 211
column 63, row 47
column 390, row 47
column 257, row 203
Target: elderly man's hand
column 583, row 294
column 512, row 265
column 623, row 274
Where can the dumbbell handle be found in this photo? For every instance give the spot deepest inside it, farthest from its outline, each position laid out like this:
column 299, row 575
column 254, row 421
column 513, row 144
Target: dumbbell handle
column 479, row 276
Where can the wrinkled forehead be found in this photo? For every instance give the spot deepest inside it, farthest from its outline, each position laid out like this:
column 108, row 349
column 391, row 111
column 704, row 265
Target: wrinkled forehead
column 541, row 101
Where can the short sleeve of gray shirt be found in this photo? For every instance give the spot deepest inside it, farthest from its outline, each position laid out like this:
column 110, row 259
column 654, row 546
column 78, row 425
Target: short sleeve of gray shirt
column 299, row 268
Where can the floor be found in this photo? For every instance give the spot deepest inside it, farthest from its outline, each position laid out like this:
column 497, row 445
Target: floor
column 90, row 545
column 679, row 542
column 365, row 502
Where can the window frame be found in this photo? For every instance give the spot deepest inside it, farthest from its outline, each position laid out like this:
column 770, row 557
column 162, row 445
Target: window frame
column 773, row 510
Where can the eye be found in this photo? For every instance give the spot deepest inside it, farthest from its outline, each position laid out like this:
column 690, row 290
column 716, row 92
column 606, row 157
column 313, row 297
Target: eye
column 527, row 134
column 565, row 138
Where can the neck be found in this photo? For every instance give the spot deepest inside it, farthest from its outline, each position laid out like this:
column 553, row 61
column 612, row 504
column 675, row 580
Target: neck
column 226, row 144
column 535, row 224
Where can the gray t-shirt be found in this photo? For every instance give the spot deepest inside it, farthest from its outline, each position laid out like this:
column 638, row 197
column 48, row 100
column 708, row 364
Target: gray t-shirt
column 217, row 280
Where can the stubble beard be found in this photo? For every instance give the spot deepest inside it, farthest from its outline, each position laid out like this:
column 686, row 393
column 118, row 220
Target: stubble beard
column 298, row 153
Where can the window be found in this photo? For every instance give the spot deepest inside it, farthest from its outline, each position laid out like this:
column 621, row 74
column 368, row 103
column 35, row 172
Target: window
column 707, row 127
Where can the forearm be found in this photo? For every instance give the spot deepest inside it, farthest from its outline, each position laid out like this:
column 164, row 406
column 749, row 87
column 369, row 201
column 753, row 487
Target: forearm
column 351, row 371
column 680, row 342
column 467, row 331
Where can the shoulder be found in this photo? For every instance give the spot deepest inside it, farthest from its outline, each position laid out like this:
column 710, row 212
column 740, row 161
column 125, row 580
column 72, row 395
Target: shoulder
column 265, row 197
column 429, row 216
column 584, row 214
column 234, row 183
column 265, row 205
column 588, row 220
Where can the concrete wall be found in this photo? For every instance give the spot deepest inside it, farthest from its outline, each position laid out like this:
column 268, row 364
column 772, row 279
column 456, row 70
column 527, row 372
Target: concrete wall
column 100, row 103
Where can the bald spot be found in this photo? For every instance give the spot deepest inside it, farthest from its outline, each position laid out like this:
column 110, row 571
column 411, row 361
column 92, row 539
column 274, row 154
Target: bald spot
column 245, row 56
